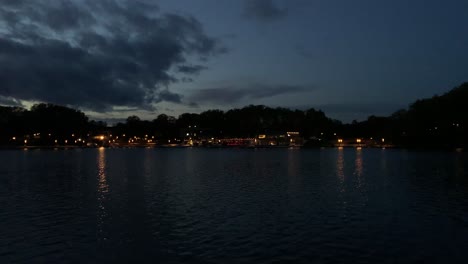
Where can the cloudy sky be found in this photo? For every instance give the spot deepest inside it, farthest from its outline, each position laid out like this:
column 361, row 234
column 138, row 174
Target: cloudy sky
column 115, row 58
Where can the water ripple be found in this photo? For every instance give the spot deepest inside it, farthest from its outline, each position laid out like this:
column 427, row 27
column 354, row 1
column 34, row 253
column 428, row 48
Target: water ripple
column 213, row 205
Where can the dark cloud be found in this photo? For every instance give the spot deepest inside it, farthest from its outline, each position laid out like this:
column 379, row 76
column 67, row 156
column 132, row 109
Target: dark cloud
column 8, row 101
column 263, row 10
column 186, row 80
column 193, row 105
column 168, row 96
column 229, row 95
column 96, row 54
column 191, row 69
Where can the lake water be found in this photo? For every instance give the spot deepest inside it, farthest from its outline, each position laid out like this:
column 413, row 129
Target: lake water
column 233, row 205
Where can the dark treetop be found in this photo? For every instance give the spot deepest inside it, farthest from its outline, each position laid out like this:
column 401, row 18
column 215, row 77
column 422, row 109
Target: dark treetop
column 438, row 121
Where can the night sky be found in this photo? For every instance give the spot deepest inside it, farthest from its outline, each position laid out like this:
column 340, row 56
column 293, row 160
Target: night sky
column 113, row 59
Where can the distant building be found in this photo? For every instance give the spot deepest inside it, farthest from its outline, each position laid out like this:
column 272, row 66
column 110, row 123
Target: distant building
column 291, row 138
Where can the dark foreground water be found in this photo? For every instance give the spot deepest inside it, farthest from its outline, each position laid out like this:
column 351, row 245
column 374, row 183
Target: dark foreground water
column 233, row 206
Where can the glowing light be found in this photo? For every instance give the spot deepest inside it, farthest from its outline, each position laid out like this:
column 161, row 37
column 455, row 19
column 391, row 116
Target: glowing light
column 261, row 136
column 101, row 137
column 25, row 141
column 340, row 140
column 358, row 140
column 383, row 140
column 14, row 138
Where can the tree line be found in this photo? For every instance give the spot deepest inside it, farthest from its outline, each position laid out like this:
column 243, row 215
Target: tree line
column 438, row 121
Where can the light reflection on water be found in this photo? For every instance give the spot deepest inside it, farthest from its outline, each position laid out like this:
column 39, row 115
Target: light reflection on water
column 262, row 205
column 293, row 162
column 102, row 193
column 460, row 165
column 358, row 162
column 340, row 169
column 103, row 187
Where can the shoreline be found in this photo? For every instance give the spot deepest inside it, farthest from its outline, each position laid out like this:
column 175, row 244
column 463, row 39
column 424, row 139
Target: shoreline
column 69, row 147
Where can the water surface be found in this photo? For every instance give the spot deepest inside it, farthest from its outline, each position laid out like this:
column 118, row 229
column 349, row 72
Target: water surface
column 243, row 205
